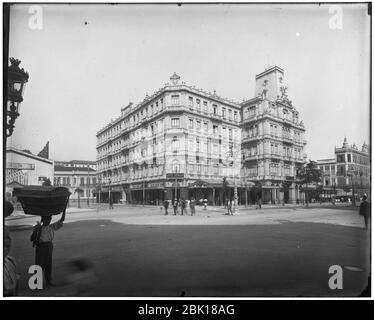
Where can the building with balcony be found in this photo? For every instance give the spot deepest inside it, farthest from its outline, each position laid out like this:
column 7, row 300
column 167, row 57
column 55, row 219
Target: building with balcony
column 79, row 176
column 177, row 130
column 353, row 168
column 273, row 140
column 348, row 170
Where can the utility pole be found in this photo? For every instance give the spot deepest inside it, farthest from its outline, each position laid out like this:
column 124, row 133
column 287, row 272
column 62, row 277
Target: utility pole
column 246, row 195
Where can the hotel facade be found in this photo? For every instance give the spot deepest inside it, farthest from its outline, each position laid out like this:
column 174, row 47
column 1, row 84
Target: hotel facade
column 183, row 141
column 179, row 131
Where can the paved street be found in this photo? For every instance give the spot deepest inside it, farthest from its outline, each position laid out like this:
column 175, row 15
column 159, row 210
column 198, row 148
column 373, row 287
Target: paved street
column 137, row 251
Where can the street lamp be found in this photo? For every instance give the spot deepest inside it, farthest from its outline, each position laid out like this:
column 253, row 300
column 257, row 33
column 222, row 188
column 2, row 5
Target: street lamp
column 175, row 169
column 99, row 191
column 88, row 185
column 230, row 158
column 351, row 173
column 17, row 79
column 109, row 182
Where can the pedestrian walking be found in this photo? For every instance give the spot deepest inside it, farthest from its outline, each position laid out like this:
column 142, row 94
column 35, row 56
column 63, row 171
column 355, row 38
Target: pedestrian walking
column 183, row 205
column 166, row 206
column 42, row 237
column 81, row 279
column 192, row 206
column 365, row 211
column 229, row 208
column 175, row 206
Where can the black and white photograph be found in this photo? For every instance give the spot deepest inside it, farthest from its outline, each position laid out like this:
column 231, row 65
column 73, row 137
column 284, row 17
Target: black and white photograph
column 186, row 150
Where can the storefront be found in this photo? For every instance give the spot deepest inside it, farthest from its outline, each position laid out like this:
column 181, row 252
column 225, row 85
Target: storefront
column 116, row 193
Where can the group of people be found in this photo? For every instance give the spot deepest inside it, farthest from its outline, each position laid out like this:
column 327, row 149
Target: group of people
column 181, row 206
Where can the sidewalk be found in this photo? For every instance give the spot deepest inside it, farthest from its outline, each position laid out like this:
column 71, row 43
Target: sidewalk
column 19, row 214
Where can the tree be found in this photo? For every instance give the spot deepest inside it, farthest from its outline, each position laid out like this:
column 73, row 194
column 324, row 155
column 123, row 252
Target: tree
column 308, row 174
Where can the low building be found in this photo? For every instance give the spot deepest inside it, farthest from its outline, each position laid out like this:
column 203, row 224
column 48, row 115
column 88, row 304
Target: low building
column 79, row 176
column 25, row 168
column 329, row 178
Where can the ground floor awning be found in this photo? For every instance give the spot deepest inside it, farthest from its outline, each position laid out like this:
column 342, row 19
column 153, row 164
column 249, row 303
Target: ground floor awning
column 210, row 183
column 206, row 183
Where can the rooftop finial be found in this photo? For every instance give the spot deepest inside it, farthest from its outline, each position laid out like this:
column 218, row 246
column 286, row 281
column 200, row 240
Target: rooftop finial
column 174, row 79
column 345, row 143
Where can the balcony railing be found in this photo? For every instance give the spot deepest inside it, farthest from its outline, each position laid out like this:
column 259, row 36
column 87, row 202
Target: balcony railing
column 216, row 116
column 251, row 157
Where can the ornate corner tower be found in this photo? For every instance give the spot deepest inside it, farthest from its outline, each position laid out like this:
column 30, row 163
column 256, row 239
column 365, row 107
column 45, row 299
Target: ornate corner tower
column 273, row 139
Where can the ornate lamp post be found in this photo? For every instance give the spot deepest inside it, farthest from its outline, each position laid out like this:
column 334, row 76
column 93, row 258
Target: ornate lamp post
column 99, row 187
column 109, row 183
column 350, row 174
column 230, row 160
column 17, row 79
column 88, row 185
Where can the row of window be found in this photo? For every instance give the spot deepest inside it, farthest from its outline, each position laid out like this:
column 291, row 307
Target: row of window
column 226, row 112
column 275, row 169
column 157, row 106
column 340, row 158
column 82, row 180
column 277, row 111
column 137, row 118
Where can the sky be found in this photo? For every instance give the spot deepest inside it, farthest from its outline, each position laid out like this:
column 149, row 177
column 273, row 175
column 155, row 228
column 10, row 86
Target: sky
column 89, row 60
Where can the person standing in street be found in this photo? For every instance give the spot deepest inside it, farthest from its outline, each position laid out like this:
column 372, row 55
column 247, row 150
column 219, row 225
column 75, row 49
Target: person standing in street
column 183, row 206
column 166, row 206
column 192, row 206
column 42, row 237
column 259, row 202
column 175, row 206
column 365, row 211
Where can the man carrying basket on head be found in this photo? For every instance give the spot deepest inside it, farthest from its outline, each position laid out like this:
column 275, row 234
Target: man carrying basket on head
column 42, row 238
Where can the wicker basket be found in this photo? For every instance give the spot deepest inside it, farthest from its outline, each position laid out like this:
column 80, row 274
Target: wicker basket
column 42, row 201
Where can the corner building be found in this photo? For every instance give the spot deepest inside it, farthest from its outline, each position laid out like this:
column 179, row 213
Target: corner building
column 273, row 140
column 178, row 129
